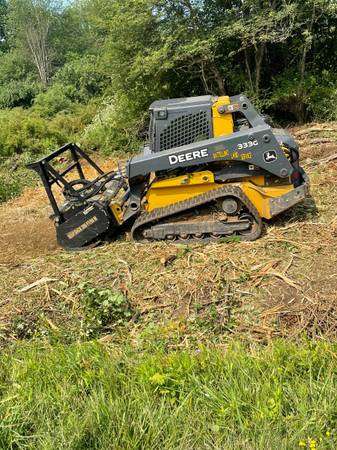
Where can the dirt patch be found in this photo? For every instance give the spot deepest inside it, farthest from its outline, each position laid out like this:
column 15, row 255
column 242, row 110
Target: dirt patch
column 20, row 241
column 25, row 228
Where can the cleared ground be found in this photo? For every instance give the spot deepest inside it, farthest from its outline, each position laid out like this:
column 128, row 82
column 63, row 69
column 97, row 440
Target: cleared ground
column 281, row 285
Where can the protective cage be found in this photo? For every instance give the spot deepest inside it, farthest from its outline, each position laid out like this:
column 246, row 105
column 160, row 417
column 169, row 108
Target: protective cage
column 50, row 175
column 180, row 122
column 82, row 220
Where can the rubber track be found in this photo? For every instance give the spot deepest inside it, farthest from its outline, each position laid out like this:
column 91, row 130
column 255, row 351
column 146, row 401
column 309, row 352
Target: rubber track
column 161, row 213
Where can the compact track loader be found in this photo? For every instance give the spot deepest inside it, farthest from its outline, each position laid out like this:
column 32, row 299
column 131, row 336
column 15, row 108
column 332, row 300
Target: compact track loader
column 213, row 168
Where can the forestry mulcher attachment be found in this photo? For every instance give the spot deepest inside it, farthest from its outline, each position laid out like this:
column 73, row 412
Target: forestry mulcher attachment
column 212, row 170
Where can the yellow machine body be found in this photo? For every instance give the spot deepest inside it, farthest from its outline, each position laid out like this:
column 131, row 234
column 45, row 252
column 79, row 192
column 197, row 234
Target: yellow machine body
column 172, row 190
column 222, row 123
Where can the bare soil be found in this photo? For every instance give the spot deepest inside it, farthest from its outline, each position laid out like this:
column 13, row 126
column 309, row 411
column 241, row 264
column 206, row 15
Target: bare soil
column 25, row 229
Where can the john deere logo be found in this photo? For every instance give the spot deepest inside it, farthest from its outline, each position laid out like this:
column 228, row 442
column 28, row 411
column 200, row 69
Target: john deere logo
column 174, row 159
column 270, row 156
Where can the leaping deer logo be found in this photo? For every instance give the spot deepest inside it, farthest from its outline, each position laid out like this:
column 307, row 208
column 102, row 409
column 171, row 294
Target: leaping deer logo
column 270, row 156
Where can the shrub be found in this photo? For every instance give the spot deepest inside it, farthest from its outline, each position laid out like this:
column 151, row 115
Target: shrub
column 14, row 176
column 53, row 101
column 18, row 93
column 22, row 131
column 73, row 124
column 9, row 188
column 117, row 127
column 82, row 78
column 27, row 131
column 316, row 101
column 17, row 86
column 104, row 309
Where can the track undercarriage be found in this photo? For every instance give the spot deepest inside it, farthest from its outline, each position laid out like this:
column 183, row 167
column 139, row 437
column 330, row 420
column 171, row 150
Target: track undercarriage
column 215, row 215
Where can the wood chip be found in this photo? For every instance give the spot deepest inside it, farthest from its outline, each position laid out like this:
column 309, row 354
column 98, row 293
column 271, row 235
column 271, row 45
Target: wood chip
column 284, row 278
column 167, row 260
column 316, row 162
column 320, row 141
column 328, row 159
column 51, row 324
column 153, row 308
column 37, row 283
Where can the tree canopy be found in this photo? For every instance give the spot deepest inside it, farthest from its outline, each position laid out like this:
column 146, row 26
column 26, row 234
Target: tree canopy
column 102, row 62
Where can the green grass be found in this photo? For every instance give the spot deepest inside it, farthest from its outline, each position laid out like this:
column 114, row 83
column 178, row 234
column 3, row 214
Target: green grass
column 96, row 396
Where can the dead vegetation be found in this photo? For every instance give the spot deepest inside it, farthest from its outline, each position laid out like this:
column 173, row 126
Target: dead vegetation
column 284, row 284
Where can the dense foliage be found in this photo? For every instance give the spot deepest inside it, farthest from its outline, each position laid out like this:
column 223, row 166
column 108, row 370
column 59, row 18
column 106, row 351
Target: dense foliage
column 87, row 70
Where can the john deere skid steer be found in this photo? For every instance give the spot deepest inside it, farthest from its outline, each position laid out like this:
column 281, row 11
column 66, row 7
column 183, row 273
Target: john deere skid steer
column 213, row 169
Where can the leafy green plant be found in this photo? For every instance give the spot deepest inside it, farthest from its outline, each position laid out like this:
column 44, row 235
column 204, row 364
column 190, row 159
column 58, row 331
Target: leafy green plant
column 26, row 131
column 83, row 78
column 23, row 327
column 116, row 127
column 52, row 101
column 104, row 310
column 22, row 131
column 14, row 176
column 18, row 86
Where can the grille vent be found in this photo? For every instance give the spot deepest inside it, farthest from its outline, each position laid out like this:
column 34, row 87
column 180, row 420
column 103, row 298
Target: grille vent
column 185, row 130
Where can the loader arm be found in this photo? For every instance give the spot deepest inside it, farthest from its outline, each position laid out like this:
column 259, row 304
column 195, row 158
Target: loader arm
column 256, row 146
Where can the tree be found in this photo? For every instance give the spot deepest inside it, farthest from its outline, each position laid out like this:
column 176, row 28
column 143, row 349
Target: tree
column 119, row 56
column 311, row 13
column 3, row 13
column 30, row 25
